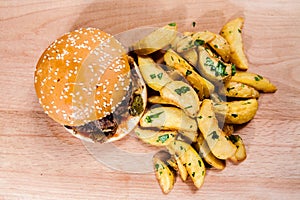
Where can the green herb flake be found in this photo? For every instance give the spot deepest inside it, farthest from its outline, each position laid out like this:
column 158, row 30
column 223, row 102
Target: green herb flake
column 202, row 173
column 233, row 138
column 160, row 76
column 189, row 164
column 156, row 166
column 230, row 31
column 188, row 107
column 163, row 138
column 234, row 115
column 172, row 24
column 209, row 116
column 149, row 118
column 182, row 90
column 193, row 174
column 257, row 78
column 199, row 162
column 233, row 69
column 216, row 46
column 214, row 135
column 239, row 30
column 230, row 88
column 199, row 42
column 160, row 173
column 172, row 58
column 200, row 117
column 193, row 24
column 152, row 76
column 188, row 72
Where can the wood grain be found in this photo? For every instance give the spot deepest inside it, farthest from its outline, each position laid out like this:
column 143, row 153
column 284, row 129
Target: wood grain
column 39, row 160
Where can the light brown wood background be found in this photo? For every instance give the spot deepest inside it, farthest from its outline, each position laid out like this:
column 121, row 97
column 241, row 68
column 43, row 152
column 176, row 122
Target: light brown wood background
column 39, row 160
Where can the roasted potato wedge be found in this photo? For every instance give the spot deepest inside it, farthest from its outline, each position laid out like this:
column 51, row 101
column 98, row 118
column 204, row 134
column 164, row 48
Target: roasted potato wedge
column 155, row 137
column 164, row 175
column 254, row 80
column 175, row 61
column 188, row 136
column 183, row 95
column 239, row 90
column 237, row 112
column 156, row 40
column 161, row 100
column 196, row 39
column 168, row 118
column 190, row 159
column 207, row 155
column 180, row 168
column 154, row 76
column 214, row 136
column 240, row 153
column 232, row 32
column 212, row 68
column 191, row 56
column 221, row 46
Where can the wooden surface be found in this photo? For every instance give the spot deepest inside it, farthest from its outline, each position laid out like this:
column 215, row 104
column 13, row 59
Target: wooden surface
column 39, row 160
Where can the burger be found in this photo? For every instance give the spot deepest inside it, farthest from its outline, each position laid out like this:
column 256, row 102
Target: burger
column 86, row 82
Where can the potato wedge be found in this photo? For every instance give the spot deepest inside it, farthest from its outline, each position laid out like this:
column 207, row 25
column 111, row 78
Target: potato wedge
column 196, row 39
column 168, row 118
column 232, row 32
column 188, row 136
column 221, row 46
column 191, row 159
column 155, row 137
column 228, row 129
column 240, row 153
column 191, row 56
column 161, row 100
column 156, row 40
column 214, row 136
column 256, row 81
column 207, row 155
column 154, row 76
column 180, row 168
column 183, row 95
column 212, row 68
column 164, row 175
column 171, row 58
column 239, row 90
column 237, row 112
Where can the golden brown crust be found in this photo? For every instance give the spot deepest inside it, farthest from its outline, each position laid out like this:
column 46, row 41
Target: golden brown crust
column 69, row 70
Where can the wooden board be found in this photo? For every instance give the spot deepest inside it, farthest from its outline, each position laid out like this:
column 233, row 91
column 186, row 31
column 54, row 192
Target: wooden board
column 39, row 160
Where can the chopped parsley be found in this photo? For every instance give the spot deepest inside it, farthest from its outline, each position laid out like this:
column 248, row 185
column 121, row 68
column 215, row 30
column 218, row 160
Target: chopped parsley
column 152, row 76
column 233, row 69
column 258, row 78
column 199, row 162
column 193, row 174
column 230, row 88
column 188, row 72
column 200, row 117
column 216, row 46
column 159, row 76
column 234, row 115
column 172, row 58
column 214, row 135
column 220, row 69
column 156, row 166
column 193, row 24
column 163, row 138
column 239, row 30
column 172, row 24
column 188, row 107
column 198, row 42
column 149, row 118
column 182, row 90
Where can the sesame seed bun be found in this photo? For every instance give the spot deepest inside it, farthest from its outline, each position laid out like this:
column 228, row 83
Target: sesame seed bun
column 83, row 76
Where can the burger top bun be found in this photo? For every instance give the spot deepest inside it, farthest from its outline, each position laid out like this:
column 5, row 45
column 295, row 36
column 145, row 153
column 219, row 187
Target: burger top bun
column 82, row 76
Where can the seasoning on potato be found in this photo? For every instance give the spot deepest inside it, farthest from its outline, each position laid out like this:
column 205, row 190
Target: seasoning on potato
column 188, row 114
